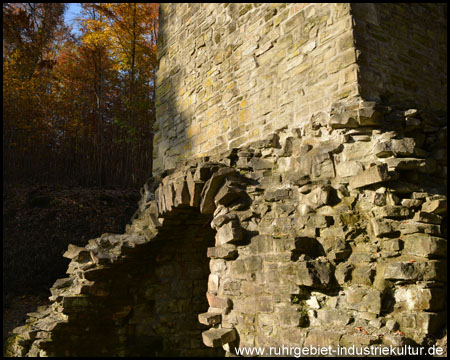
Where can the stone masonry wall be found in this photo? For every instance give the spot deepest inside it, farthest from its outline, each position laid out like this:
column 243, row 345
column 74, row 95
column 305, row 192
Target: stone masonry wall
column 311, row 240
column 402, row 53
column 232, row 73
column 322, row 214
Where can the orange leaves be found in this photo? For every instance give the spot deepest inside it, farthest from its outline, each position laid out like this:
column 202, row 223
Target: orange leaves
column 361, row 330
column 63, row 93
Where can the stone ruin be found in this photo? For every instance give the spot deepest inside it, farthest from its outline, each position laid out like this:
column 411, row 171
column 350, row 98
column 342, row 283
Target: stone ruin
column 326, row 231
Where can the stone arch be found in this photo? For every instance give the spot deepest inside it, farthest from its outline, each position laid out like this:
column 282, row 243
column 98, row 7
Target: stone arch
column 145, row 292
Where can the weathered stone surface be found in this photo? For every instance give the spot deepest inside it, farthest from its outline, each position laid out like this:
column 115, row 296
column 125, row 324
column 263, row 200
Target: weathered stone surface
column 402, row 147
column 414, row 270
column 316, row 274
column 210, row 318
column 322, row 338
column 222, row 252
column 407, row 164
column 228, row 193
column 343, row 273
column 348, row 168
column 416, row 298
column 391, row 212
column 230, row 233
column 195, row 188
column 317, row 197
column 411, row 227
column 207, row 205
column 213, row 283
column 218, row 337
column 373, row 175
column 62, row 283
column 422, row 216
column 363, row 299
column 384, row 227
column 277, row 195
column 435, row 206
column 217, row 302
column 182, row 196
column 412, row 203
column 333, row 318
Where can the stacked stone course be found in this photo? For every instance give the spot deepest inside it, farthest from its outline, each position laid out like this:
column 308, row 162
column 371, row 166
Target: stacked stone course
column 230, row 74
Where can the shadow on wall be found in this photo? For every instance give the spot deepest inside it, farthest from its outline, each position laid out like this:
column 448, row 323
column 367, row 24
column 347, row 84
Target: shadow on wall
column 148, row 305
column 403, row 53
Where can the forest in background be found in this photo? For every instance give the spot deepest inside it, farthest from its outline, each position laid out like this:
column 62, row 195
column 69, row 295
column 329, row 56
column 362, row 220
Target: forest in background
column 78, row 109
column 78, row 114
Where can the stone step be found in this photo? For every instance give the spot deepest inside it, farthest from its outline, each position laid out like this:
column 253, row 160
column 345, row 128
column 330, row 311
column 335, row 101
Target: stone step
column 218, row 337
column 210, row 318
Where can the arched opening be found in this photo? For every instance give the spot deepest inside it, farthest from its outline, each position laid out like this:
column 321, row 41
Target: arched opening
column 148, row 305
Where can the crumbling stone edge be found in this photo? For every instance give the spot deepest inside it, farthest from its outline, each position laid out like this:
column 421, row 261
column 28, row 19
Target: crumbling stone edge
column 333, row 234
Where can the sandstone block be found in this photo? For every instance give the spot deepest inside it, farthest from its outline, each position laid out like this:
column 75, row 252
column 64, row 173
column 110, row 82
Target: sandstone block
column 373, row 175
column 363, row 274
column 418, row 298
column 341, row 117
column 424, row 245
column 222, row 252
column 182, row 196
column 333, row 317
column 411, row 227
column 358, row 340
column 207, row 205
column 384, row 227
column 369, row 114
column 213, row 283
column 438, row 206
column 218, row 302
column 322, row 338
column 230, row 233
column 62, row 283
column 402, row 147
column 260, row 164
column 363, row 299
column 416, row 325
column 391, row 212
column 218, row 337
column 415, row 270
column 277, row 195
column 167, row 191
column 195, row 188
column 231, row 287
column 227, row 194
column 422, row 216
column 316, row 274
column 317, row 197
column 348, row 168
column 405, row 163
column 412, row 203
column 343, row 272
column 220, row 220
column 210, row 318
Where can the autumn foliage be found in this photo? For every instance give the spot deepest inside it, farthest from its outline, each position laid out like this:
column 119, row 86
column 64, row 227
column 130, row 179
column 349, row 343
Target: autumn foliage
column 79, row 109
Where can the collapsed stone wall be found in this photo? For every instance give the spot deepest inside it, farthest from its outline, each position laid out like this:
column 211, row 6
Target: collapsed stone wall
column 323, row 235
